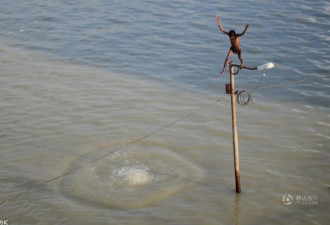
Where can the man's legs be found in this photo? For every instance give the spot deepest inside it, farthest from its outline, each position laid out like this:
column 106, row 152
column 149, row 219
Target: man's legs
column 227, row 59
column 240, row 58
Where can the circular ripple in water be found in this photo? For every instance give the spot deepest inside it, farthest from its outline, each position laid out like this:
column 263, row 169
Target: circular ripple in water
column 131, row 178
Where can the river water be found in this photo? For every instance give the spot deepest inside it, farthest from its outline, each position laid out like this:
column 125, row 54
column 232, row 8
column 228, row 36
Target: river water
column 114, row 112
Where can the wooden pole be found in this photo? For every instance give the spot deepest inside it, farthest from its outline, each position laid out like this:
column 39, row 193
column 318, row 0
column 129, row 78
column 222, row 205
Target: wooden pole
column 234, row 127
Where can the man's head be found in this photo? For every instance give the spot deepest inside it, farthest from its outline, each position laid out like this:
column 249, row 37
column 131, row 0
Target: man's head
column 232, row 33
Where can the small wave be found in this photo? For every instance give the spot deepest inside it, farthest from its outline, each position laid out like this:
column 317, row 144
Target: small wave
column 132, row 178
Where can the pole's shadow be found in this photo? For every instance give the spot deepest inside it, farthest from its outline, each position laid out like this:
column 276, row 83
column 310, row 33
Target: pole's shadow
column 238, row 209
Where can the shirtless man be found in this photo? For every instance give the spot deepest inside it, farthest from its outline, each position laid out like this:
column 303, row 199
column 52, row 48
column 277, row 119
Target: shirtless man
column 234, row 40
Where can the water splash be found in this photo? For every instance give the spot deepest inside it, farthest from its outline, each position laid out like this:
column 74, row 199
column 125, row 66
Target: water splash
column 131, row 178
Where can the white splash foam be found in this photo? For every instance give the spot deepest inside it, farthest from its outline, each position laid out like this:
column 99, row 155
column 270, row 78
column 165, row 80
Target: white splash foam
column 135, row 175
column 132, row 178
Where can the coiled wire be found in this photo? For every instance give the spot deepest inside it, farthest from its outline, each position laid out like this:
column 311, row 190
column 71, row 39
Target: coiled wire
column 245, row 97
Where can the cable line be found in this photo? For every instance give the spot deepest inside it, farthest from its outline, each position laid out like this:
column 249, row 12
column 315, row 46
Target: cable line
column 244, row 96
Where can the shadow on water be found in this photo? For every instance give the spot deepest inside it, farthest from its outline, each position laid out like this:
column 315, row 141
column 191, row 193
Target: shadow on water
column 238, row 209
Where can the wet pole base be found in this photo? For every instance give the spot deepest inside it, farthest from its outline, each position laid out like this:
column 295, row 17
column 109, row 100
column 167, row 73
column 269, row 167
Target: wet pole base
column 238, row 182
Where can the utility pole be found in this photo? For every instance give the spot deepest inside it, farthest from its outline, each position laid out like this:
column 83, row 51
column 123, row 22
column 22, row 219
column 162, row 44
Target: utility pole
column 230, row 89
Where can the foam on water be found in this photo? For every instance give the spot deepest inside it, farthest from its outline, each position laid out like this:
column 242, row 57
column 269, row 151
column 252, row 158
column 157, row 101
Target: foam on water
column 135, row 175
column 130, row 179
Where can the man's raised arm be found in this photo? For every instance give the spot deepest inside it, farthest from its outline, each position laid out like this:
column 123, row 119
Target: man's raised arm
column 220, row 26
column 246, row 27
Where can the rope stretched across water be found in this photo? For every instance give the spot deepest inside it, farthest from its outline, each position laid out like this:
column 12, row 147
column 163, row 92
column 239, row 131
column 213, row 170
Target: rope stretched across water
column 245, row 97
column 293, row 82
column 156, row 131
column 119, row 148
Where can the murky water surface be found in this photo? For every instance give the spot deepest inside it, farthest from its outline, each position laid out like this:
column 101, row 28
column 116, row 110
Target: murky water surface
column 100, row 119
